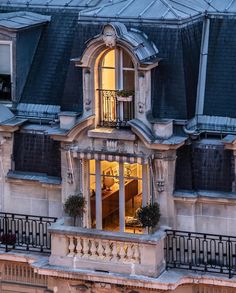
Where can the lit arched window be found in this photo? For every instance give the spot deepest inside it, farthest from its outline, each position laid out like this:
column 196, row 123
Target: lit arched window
column 116, row 76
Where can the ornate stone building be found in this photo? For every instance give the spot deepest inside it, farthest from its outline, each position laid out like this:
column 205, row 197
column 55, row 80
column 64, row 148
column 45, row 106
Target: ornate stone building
column 127, row 103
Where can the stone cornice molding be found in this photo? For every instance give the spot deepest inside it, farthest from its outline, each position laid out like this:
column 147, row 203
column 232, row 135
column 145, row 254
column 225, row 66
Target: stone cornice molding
column 70, row 135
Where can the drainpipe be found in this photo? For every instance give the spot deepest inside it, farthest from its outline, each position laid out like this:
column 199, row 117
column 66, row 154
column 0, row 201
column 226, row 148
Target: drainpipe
column 203, row 67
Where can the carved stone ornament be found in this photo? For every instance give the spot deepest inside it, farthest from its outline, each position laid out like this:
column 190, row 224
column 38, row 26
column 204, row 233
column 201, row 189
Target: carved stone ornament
column 109, row 36
column 141, row 107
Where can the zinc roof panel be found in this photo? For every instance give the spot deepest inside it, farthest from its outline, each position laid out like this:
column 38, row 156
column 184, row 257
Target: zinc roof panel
column 17, row 20
column 226, row 5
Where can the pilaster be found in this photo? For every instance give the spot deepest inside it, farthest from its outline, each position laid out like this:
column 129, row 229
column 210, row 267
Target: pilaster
column 164, row 178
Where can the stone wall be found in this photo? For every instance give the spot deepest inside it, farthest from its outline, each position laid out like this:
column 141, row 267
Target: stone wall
column 204, row 214
column 25, row 196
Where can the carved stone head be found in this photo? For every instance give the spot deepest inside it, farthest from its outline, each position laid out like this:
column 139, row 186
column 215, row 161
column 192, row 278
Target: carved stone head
column 109, row 36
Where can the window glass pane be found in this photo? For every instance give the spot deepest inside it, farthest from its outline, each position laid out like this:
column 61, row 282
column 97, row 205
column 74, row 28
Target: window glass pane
column 5, row 67
column 132, row 170
column 133, row 196
column 110, row 169
column 110, row 195
column 92, row 181
column 128, row 80
column 108, row 79
column 109, row 59
column 127, row 62
column 92, row 166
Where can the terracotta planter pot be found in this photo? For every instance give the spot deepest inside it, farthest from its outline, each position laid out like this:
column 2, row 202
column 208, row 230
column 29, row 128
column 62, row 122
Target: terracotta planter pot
column 124, row 99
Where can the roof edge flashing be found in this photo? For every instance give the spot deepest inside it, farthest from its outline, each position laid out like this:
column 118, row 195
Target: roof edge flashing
column 113, row 33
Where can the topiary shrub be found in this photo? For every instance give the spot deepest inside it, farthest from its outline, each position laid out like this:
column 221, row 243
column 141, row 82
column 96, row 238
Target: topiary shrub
column 8, row 239
column 149, row 216
column 75, row 206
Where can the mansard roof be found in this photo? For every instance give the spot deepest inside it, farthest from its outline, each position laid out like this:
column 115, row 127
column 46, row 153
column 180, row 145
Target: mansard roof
column 170, row 10
column 68, row 4
column 53, row 79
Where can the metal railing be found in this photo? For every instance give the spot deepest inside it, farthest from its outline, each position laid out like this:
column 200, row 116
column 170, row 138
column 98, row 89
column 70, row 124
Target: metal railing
column 115, row 111
column 201, row 252
column 25, row 232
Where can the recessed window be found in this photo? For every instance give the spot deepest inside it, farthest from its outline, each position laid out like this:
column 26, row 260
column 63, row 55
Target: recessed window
column 5, row 71
column 204, row 165
column 37, row 153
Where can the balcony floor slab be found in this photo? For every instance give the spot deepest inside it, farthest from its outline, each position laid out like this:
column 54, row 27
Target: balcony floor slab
column 112, row 133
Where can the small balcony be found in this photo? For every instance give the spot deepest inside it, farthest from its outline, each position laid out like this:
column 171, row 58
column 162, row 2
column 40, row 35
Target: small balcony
column 113, row 252
column 115, row 110
column 107, row 252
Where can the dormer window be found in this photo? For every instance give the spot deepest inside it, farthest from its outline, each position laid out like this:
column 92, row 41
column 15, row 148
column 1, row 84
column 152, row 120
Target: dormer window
column 5, row 71
column 117, row 66
column 116, row 87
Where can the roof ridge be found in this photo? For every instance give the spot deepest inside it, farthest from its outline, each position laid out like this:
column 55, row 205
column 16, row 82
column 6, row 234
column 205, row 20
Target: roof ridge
column 209, row 3
column 171, row 8
column 185, row 5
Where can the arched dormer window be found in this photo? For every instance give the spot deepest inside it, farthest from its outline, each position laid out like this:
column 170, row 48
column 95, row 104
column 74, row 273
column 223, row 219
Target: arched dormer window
column 117, row 67
column 116, row 78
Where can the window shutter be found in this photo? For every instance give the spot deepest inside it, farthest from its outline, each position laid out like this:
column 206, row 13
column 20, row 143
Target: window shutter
column 5, row 67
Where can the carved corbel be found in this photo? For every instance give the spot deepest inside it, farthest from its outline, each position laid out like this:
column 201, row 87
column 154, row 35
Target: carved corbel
column 142, row 90
column 159, row 169
column 87, row 84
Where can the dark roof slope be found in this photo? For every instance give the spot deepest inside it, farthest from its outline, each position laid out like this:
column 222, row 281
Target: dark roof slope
column 174, row 81
column 220, row 94
column 46, row 79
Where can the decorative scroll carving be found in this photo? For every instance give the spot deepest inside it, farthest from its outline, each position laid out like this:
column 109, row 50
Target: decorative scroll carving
column 159, row 175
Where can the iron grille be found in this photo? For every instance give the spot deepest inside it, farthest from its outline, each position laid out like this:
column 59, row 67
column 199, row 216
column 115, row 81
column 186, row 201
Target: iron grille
column 25, row 232
column 115, row 112
column 201, row 252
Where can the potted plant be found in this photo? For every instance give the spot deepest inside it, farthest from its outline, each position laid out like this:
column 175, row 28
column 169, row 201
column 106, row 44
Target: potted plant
column 149, row 216
column 125, row 95
column 8, row 239
column 75, row 206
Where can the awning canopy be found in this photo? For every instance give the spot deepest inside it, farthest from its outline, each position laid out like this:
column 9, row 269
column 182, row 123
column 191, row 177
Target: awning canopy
column 110, row 157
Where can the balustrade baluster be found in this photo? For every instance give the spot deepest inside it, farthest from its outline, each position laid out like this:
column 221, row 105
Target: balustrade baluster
column 114, row 252
column 93, row 249
column 136, row 255
column 122, row 252
column 100, row 249
column 107, row 250
column 79, row 247
column 129, row 252
column 86, row 248
column 71, row 246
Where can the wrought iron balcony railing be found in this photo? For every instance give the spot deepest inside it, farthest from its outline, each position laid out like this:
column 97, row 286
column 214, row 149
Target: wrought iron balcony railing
column 25, row 232
column 201, row 252
column 115, row 111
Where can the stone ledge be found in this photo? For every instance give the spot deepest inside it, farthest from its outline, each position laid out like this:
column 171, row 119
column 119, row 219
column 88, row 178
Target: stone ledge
column 204, row 196
column 111, row 133
column 22, row 177
column 60, row 228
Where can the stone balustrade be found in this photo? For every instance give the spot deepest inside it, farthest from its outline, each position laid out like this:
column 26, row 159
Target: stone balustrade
column 104, row 251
